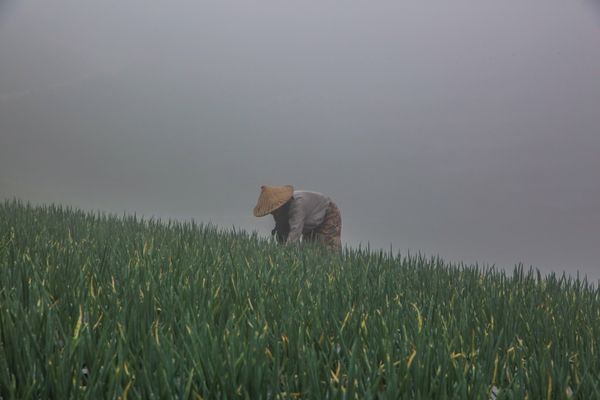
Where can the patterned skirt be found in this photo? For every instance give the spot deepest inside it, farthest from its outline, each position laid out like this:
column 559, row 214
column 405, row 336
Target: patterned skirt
column 330, row 231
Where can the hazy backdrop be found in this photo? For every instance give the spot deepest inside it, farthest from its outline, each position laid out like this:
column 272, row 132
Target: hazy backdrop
column 468, row 129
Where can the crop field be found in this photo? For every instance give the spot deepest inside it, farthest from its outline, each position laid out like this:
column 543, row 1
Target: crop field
column 98, row 306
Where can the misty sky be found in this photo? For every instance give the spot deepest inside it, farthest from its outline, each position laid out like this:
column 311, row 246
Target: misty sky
column 468, row 129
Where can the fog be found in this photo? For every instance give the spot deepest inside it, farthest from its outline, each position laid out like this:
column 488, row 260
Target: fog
column 465, row 129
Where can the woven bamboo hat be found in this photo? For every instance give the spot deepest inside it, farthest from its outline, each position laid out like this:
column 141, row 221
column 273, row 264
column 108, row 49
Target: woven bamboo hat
column 271, row 198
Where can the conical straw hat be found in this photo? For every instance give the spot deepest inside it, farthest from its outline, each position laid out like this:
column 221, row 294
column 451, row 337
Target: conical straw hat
column 271, row 198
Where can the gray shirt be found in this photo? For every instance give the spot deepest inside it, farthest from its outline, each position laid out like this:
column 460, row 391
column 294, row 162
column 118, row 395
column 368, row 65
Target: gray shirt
column 307, row 211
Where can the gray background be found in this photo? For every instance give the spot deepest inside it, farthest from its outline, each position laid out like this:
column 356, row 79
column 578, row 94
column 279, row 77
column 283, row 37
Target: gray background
column 468, row 129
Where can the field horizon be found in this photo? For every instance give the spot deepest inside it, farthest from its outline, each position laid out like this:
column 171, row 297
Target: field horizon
column 95, row 305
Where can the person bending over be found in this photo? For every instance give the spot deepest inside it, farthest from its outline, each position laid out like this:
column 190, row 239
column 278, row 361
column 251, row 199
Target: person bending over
column 311, row 216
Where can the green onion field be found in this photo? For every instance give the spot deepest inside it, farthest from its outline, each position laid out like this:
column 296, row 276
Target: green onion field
column 99, row 306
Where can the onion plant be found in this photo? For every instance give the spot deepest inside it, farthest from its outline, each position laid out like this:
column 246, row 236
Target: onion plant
column 101, row 306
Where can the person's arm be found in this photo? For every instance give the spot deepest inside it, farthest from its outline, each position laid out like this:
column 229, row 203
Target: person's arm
column 296, row 221
column 280, row 232
column 282, row 223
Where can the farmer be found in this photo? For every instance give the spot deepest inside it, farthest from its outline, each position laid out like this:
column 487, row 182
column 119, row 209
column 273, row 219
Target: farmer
column 310, row 215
